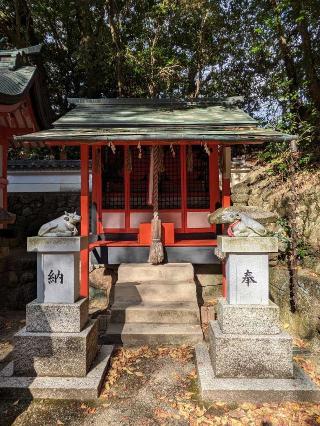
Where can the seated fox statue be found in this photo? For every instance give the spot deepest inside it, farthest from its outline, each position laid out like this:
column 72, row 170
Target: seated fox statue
column 242, row 225
column 63, row 226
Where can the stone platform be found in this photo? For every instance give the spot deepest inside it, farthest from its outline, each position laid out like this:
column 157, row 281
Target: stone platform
column 299, row 388
column 71, row 388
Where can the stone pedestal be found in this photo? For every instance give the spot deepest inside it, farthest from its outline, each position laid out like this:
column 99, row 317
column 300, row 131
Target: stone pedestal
column 59, row 340
column 249, row 357
column 58, row 260
column 248, row 319
column 57, row 317
column 264, row 352
column 55, row 354
column 247, row 268
column 246, row 340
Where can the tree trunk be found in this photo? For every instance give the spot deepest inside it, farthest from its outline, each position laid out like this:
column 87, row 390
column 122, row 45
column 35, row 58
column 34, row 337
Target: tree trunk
column 116, row 39
column 308, row 56
column 293, row 79
column 292, row 220
column 24, row 30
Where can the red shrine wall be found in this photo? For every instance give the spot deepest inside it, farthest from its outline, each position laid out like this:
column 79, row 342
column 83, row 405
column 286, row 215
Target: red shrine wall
column 188, row 188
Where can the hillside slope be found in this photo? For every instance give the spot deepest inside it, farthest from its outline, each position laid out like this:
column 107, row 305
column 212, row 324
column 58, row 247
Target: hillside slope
column 272, row 192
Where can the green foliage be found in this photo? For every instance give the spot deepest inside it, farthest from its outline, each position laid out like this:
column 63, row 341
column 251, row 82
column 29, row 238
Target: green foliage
column 266, row 50
column 285, row 239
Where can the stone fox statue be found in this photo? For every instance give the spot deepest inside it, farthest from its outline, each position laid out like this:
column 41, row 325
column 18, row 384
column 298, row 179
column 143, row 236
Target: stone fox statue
column 63, row 226
column 242, row 225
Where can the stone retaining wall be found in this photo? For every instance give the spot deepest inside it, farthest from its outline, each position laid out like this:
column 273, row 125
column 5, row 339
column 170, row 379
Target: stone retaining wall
column 18, row 278
column 35, row 209
column 17, row 266
column 305, row 322
column 270, row 193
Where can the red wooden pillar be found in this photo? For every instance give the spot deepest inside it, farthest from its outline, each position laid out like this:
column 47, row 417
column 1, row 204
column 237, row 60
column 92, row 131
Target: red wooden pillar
column 214, row 180
column 226, row 200
column 127, row 188
column 84, row 206
column 96, row 186
column 183, row 165
column 226, row 176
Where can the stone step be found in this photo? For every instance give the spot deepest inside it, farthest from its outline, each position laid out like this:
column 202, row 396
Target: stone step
column 145, row 272
column 156, row 282
column 153, row 292
column 157, row 313
column 153, row 334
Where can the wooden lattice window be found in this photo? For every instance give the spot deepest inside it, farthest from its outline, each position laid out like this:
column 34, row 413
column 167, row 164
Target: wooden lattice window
column 170, row 180
column 139, row 178
column 113, row 188
column 198, row 195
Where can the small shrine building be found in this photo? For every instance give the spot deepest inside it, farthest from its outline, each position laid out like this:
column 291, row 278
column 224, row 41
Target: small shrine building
column 117, row 135
column 23, row 106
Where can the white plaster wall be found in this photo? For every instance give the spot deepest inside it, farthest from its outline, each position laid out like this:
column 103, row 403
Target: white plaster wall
column 112, row 220
column 45, row 181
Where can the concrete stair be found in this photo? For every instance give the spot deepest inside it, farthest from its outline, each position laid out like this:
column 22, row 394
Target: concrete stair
column 156, row 313
column 157, row 306
column 154, row 334
column 146, row 272
column 153, row 291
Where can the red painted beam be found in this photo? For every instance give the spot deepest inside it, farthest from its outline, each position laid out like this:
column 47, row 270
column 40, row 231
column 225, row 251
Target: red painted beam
column 84, row 206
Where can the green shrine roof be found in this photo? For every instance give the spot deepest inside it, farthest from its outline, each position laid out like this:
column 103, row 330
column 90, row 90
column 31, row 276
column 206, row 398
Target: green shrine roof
column 16, row 73
column 15, row 83
column 156, row 119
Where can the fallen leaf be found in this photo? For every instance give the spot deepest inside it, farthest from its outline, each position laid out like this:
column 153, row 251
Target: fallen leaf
column 237, row 414
column 300, row 343
column 161, row 414
column 248, row 406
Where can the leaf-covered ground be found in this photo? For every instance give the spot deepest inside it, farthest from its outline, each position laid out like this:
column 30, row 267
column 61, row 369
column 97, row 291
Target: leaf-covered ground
column 158, row 386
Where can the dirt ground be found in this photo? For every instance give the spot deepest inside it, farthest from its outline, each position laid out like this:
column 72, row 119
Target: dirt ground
column 152, row 386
